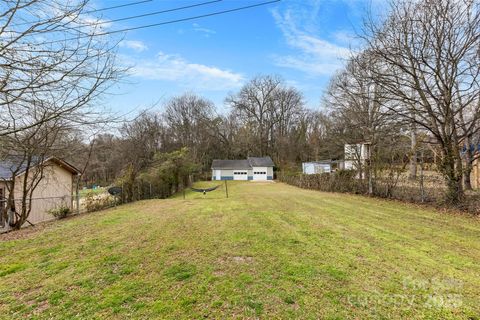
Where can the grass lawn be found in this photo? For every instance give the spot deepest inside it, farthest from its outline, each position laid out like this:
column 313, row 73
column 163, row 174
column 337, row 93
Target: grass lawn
column 84, row 192
column 270, row 251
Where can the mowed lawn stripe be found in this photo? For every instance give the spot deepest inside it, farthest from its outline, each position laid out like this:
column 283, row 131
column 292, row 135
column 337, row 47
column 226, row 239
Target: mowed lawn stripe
column 268, row 251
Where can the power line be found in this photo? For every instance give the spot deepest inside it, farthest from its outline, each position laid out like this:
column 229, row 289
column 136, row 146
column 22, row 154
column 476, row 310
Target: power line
column 118, row 6
column 122, row 19
column 146, row 14
column 161, row 11
column 166, row 22
column 93, row 11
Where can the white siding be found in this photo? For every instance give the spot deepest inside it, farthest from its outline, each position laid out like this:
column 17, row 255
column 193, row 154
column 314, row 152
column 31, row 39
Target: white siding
column 316, row 168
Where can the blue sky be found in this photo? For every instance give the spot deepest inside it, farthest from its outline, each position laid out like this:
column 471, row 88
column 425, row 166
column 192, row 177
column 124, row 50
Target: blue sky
column 302, row 41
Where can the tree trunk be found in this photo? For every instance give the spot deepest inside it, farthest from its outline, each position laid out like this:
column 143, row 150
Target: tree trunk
column 467, row 183
column 451, row 167
column 455, row 191
column 413, row 158
column 468, row 157
column 11, row 206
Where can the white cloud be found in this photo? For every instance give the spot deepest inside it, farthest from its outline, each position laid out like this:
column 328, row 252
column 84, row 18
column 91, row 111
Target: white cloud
column 314, row 56
column 135, row 45
column 174, row 68
column 345, row 37
column 206, row 32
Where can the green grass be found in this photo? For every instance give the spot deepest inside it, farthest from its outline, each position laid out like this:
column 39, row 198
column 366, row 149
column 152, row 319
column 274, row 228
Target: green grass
column 84, row 192
column 269, row 251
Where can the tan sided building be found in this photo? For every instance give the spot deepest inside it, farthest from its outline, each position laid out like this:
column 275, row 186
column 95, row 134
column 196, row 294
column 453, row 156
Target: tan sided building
column 54, row 189
column 475, row 178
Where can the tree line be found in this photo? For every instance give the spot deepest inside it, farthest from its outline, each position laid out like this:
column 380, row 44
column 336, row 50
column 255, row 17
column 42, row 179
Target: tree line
column 414, row 88
column 54, row 68
column 412, row 93
column 265, row 117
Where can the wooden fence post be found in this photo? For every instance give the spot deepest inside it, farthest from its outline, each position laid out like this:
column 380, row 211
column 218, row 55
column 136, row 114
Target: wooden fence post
column 226, row 188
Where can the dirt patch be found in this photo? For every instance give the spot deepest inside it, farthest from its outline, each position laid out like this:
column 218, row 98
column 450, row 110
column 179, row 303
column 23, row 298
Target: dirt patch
column 240, row 259
column 236, row 259
column 219, row 273
column 42, row 306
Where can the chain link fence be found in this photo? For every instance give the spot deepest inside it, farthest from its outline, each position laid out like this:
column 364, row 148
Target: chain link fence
column 44, row 209
column 426, row 188
column 40, row 209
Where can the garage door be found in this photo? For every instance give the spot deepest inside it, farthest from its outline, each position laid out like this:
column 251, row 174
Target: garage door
column 240, row 175
column 260, row 174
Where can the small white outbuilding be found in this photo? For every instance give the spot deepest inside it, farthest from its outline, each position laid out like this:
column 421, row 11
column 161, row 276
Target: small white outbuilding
column 253, row 168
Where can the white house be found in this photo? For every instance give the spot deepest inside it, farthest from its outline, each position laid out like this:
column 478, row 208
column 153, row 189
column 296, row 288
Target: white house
column 253, row 168
column 356, row 154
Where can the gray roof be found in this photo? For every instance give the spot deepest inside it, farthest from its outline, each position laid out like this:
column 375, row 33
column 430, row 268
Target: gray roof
column 15, row 164
column 231, row 164
column 260, row 161
column 243, row 164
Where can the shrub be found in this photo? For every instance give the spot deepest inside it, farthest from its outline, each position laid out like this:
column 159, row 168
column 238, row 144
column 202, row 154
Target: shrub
column 340, row 181
column 399, row 188
column 60, row 212
column 95, row 202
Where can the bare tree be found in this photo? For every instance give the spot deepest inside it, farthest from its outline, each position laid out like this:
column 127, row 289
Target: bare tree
column 287, row 114
column 28, row 151
column 54, row 67
column 254, row 105
column 428, row 52
column 267, row 110
column 53, row 63
column 141, row 140
column 189, row 118
column 361, row 106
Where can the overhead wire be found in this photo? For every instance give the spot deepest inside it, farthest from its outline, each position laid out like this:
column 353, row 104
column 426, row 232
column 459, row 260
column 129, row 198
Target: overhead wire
column 145, row 14
column 95, row 10
column 216, row 13
column 117, row 6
